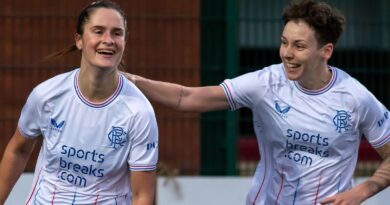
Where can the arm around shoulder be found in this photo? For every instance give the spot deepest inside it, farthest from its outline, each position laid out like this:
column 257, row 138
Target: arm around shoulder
column 182, row 98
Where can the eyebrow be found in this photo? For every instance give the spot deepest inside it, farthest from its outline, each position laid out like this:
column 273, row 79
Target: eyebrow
column 103, row 27
column 295, row 41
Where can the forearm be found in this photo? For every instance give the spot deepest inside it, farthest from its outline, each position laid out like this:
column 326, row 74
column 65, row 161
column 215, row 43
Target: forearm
column 11, row 167
column 182, row 98
column 168, row 94
column 379, row 181
column 143, row 187
column 143, row 200
column 14, row 160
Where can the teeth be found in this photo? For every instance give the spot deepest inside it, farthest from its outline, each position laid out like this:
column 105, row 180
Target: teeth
column 292, row 65
column 109, row 52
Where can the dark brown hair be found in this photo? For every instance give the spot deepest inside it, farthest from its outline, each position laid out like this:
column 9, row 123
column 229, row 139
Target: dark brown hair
column 84, row 17
column 327, row 22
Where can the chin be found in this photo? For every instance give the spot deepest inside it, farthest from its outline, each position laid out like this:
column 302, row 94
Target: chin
column 293, row 78
column 293, row 75
column 106, row 65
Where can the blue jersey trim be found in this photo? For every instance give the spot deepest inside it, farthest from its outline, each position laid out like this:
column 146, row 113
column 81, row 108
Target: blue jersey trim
column 296, row 191
column 74, row 198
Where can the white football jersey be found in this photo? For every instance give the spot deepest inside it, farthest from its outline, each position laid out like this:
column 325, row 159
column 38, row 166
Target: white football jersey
column 308, row 139
column 88, row 149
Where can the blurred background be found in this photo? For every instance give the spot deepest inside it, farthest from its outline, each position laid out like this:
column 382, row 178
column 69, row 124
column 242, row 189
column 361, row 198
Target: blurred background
column 191, row 42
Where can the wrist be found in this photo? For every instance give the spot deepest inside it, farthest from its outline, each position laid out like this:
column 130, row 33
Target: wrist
column 368, row 189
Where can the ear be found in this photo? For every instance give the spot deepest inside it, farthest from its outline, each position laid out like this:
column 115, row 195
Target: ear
column 327, row 51
column 78, row 41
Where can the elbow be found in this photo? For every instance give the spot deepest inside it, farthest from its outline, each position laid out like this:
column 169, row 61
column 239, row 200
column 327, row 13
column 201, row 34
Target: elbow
column 142, row 199
column 190, row 107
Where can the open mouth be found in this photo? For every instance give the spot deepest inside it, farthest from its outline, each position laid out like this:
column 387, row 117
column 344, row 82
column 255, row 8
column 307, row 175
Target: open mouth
column 106, row 52
column 291, row 65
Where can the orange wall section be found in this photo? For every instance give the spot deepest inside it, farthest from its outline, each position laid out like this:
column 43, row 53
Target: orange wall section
column 163, row 44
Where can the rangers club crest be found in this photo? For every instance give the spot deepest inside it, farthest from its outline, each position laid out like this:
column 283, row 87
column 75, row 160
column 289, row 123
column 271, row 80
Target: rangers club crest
column 117, row 137
column 342, row 121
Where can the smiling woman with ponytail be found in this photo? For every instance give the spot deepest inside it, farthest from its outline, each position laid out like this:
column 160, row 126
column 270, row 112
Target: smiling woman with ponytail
column 100, row 137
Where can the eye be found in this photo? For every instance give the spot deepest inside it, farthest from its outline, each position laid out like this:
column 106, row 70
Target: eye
column 98, row 31
column 118, row 33
column 300, row 46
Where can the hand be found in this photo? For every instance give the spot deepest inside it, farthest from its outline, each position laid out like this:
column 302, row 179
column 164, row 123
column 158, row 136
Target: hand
column 130, row 76
column 350, row 197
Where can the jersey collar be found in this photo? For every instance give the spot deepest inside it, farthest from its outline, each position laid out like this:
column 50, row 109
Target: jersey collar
column 322, row 90
column 102, row 104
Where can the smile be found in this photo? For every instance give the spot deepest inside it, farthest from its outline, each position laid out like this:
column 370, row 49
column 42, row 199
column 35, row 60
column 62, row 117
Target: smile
column 106, row 52
column 291, row 66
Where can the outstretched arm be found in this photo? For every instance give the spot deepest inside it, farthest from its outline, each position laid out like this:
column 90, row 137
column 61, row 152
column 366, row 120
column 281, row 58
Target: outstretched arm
column 376, row 183
column 182, row 98
column 14, row 160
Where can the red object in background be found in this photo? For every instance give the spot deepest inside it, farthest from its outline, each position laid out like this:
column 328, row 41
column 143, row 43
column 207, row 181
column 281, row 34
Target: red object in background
column 367, row 153
column 248, row 150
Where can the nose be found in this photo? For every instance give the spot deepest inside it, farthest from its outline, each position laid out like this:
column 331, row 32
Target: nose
column 286, row 52
column 107, row 39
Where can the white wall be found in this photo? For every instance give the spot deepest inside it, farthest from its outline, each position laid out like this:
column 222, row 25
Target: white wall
column 222, row 190
column 202, row 190
column 189, row 191
column 21, row 190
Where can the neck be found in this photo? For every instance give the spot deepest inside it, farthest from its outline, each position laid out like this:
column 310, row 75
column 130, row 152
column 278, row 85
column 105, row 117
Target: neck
column 319, row 80
column 97, row 86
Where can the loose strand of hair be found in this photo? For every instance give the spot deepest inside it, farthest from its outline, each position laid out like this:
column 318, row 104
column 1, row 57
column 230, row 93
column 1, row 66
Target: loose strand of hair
column 60, row 53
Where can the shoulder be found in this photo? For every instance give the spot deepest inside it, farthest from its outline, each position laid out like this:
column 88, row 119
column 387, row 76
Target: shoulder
column 134, row 100
column 52, row 86
column 248, row 89
column 263, row 78
column 271, row 75
column 57, row 82
column 347, row 82
column 275, row 70
column 349, row 86
column 267, row 75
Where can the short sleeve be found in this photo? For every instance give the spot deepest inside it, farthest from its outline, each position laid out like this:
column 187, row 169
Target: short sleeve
column 246, row 90
column 144, row 142
column 375, row 122
column 29, row 121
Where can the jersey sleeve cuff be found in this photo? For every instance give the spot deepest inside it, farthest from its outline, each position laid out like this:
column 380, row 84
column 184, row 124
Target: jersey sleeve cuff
column 142, row 167
column 25, row 135
column 229, row 96
column 380, row 143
